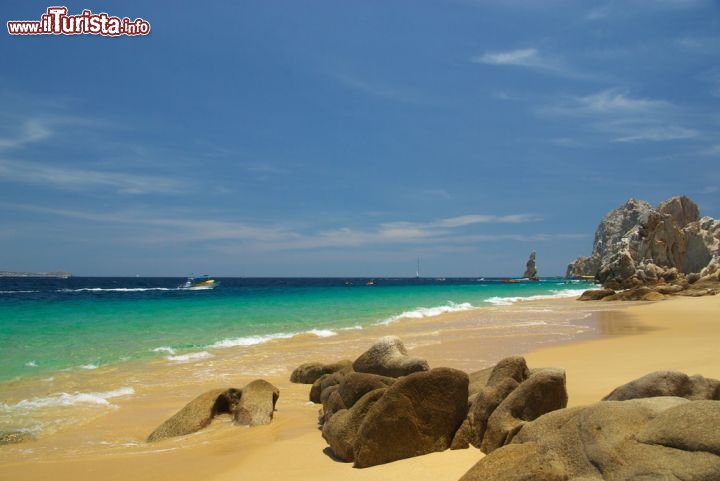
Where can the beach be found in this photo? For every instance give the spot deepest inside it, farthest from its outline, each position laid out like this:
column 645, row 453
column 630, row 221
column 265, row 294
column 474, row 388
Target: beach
column 614, row 343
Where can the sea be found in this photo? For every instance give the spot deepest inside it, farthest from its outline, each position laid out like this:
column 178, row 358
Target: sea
column 52, row 327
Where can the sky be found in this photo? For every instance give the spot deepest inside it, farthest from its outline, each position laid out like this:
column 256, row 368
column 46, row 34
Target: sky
column 350, row 138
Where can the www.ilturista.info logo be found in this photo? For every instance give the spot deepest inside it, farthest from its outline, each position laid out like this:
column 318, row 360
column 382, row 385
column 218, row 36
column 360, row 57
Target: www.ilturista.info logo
column 57, row 22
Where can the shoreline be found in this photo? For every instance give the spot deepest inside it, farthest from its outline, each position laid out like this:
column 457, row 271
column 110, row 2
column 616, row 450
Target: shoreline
column 627, row 341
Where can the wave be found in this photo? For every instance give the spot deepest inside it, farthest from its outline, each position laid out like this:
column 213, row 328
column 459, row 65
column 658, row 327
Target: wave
column 68, row 400
column 560, row 294
column 118, row 289
column 18, row 292
column 193, row 356
column 422, row 312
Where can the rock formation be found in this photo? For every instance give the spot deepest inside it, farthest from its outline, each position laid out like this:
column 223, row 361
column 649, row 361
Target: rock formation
column 637, row 245
column 310, row 372
column 415, row 415
column 661, row 426
column 654, row 438
column 530, row 269
column 388, row 357
column 252, row 405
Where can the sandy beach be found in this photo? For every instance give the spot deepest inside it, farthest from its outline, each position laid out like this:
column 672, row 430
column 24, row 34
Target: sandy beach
column 617, row 343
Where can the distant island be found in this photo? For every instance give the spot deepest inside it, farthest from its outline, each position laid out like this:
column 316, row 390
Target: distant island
column 35, row 274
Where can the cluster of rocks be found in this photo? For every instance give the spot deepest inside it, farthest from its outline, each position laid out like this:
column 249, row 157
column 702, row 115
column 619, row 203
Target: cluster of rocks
column 668, row 249
column 662, row 426
column 387, row 406
column 253, row 405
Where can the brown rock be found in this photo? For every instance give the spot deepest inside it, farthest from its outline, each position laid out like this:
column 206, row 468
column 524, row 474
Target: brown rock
column 388, row 357
column 197, row 414
column 542, row 392
column 667, row 383
column 257, row 404
column 310, row 372
column 419, row 414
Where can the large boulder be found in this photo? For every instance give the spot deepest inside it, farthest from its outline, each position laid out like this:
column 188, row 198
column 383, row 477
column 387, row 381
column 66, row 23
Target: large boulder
column 198, row 413
column 349, row 390
column 389, row 357
column 310, row 372
column 530, row 268
column 544, row 391
column 667, row 383
column 257, row 403
column 415, row 415
column 665, row 438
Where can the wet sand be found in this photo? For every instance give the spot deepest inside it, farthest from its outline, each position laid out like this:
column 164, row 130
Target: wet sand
column 609, row 344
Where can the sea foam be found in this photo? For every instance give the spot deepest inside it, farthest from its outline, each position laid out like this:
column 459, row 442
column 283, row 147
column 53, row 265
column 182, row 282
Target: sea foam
column 508, row 301
column 422, row 312
column 66, row 400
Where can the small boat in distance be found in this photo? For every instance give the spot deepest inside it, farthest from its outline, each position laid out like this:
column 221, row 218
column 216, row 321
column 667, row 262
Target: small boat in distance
column 199, row 283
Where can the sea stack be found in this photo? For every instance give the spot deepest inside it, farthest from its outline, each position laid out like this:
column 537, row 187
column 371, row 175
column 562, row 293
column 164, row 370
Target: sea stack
column 530, row 269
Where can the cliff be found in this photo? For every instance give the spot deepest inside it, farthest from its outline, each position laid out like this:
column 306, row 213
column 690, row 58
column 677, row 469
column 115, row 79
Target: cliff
column 637, row 245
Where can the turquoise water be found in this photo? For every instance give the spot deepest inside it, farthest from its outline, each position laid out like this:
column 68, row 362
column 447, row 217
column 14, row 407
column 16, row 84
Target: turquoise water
column 50, row 325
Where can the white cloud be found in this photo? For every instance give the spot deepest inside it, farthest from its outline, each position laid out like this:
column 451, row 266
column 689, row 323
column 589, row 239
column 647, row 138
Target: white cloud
column 67, row 178
column 658, row 133
column 531, row 58
column 30, row 131
column 616, row 101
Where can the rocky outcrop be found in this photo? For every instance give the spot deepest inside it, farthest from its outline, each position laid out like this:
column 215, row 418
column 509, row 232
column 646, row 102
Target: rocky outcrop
column 637, row 245
column 667, row 383
column 530, row 268
column 512, row 396
column 310, row 372
column 252, row 405
column 653, row 438
column 388, row 357
column 417, row 414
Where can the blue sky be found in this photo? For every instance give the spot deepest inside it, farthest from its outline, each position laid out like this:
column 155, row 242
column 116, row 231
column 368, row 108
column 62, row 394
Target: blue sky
column 350, row 138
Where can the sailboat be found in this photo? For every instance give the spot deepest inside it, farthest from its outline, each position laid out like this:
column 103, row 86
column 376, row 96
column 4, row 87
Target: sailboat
column 417, row 272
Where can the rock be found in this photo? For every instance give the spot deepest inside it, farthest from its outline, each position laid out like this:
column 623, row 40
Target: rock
column 655, row 438
column 324, row 382
column 257, row 404
column 310, row 372
column 595, row 294
column 197, row 414
column 352, row 387
column 15, row 437
column 544, row 391
column 388, row 357
column 692, row 426
column 667, row 383
column 478, row 380
column 519, row 462
column 485, row 403
column 636, row 245
column 636, row 294
column 530, row 269
column 340, row 431
column 417, row 415
column 513, row 367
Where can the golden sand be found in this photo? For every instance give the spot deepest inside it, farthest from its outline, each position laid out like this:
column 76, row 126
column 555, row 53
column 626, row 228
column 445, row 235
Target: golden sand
column 633, row 340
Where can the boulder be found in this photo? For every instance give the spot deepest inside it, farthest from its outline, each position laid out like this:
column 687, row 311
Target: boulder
column 484, row 404
column 310, row 372
column 257, row 404
column 414, row 415
column 388, row 357
column 197, row 414
column 341, row 429
column 417, row 415
column 350, row 389
column 513, row 367
column 667, row 383
column 595, row 294
column 324, row 382
column 665, row 438
column 544, row 391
